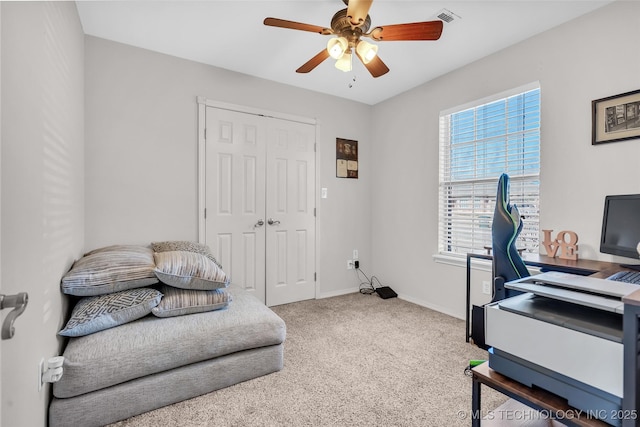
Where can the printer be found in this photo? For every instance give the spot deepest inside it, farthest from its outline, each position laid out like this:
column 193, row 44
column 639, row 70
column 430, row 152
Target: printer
column 563, row 333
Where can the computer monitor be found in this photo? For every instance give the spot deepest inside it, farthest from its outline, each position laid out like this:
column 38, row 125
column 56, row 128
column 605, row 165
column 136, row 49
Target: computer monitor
column 621, row 227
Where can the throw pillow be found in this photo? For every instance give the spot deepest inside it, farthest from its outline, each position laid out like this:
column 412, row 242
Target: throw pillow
column 177, row 302
column 189, row 270
column 93, row 314
column 111, row 269
column 184, row 245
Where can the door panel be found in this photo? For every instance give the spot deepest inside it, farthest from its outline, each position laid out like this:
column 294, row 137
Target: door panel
column 235, row 161
column 290, row 200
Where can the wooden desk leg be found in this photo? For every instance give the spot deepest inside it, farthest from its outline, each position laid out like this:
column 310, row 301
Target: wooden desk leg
column 475, row 403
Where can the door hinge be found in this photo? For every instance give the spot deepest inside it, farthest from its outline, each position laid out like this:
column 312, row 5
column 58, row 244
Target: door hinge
column 315, row 147
column 315, row 277
column 314, row 211
column 205, row 213
column 205, row 133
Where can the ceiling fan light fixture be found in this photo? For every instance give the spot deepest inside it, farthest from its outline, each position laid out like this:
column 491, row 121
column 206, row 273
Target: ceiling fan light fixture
column 344, row 63
column 366, row 51
column 337, row 46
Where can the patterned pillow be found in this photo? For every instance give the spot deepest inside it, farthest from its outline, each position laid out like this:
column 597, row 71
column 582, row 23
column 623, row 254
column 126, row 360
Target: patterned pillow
column 184, row 245
column 177, row 302
column 110, row 269
column 189, row 270
column 93, row 314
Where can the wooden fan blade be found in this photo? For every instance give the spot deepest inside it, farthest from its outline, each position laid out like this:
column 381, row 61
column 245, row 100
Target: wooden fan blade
column 430, row 30
column 357, row 10
column 283, row 23
column 376, row 67
column 313, row 62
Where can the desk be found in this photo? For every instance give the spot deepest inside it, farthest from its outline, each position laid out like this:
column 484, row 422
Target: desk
column 539, row 399
column 552, row 405
column 584, row 267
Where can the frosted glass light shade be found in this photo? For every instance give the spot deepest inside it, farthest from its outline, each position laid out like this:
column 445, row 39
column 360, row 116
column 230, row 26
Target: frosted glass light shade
column 337, row 46
column 344, row 63
column 367, row 51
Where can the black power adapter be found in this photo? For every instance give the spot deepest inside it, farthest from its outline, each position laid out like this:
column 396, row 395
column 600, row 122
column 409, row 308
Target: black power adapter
column 386, row 292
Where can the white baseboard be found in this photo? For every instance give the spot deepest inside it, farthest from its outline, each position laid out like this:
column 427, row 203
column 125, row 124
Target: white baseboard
column 338, row 292
column 401, row 296
column 432, row 306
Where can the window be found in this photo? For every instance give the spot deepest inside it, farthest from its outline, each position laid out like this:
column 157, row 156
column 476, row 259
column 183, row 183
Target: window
column 477, row 144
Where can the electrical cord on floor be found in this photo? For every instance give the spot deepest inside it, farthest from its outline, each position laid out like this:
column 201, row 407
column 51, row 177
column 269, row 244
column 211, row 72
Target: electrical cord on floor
column 367, row 287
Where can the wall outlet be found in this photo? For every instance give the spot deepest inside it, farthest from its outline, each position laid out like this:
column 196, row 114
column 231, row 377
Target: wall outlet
column 486, row 287
column 350, row 265
column 355, row 254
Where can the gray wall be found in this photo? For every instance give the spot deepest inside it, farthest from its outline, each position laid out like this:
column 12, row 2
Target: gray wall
column 141, row 152
column 42, row 187
column 136, row 111
column 589, row 58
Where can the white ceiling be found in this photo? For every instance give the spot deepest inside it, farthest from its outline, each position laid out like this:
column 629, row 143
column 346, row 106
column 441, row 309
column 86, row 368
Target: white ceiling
column 231, row 35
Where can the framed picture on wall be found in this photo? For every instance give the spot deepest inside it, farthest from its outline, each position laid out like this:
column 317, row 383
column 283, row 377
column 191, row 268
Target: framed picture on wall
column 616, row 118
column 346, row 158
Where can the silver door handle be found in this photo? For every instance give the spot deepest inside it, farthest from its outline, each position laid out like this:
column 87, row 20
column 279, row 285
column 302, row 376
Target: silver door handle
column 271, row 221
column 18, row 302
column 260, row 223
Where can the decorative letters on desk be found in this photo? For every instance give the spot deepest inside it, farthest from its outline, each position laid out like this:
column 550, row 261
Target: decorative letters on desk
column 569, row 250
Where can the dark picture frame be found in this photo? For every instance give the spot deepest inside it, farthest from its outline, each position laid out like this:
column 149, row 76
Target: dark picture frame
column 615, row 118
column 346, row 158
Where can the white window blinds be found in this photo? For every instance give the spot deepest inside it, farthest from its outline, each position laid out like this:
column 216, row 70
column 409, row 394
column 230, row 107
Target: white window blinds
column 477, row 145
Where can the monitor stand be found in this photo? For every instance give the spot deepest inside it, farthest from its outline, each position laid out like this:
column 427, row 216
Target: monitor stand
column 631, row 266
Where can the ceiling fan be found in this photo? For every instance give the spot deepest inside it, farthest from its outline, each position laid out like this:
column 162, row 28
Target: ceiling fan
column 349, row 26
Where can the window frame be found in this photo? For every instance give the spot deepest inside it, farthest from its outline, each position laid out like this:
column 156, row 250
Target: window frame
column 532, row 232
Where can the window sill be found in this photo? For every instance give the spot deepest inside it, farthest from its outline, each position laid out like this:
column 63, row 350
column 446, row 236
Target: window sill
column 461, row 261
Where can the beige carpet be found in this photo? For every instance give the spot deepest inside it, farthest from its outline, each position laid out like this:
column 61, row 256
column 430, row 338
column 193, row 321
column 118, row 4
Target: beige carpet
column 352, row 360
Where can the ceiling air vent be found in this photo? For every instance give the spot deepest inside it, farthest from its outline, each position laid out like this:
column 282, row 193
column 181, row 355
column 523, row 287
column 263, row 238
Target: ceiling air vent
column 447, row 16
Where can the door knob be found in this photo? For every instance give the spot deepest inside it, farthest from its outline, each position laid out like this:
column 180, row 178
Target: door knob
column 260, row 223
column 18, row 302
column 271, row 221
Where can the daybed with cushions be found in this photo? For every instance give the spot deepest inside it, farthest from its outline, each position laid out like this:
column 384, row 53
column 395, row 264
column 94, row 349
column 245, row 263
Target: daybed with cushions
column 152, row 327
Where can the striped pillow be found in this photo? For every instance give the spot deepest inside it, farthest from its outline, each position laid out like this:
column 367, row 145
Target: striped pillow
column 110, row 269
column 189, row 270
column 184, row 245
column 178, row 302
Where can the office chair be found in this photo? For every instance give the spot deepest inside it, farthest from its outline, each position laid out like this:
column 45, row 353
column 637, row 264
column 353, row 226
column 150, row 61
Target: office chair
column 507, row 264
column 506, row 226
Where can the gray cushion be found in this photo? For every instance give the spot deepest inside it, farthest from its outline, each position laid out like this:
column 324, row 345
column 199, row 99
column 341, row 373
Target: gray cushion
column 110, row 269
column 93, row 314
column 184, row 245
column 178, row 302
column 151, row 345
column 189, row 270
column 111, row 404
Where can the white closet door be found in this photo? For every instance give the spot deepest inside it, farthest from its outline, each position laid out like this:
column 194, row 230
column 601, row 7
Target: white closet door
column 235, row 195
column 260, row 200
column 290, row 212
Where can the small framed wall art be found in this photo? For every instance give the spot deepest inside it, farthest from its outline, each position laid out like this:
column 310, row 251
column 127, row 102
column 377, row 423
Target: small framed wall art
column 616, row 118
column 346, row 158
